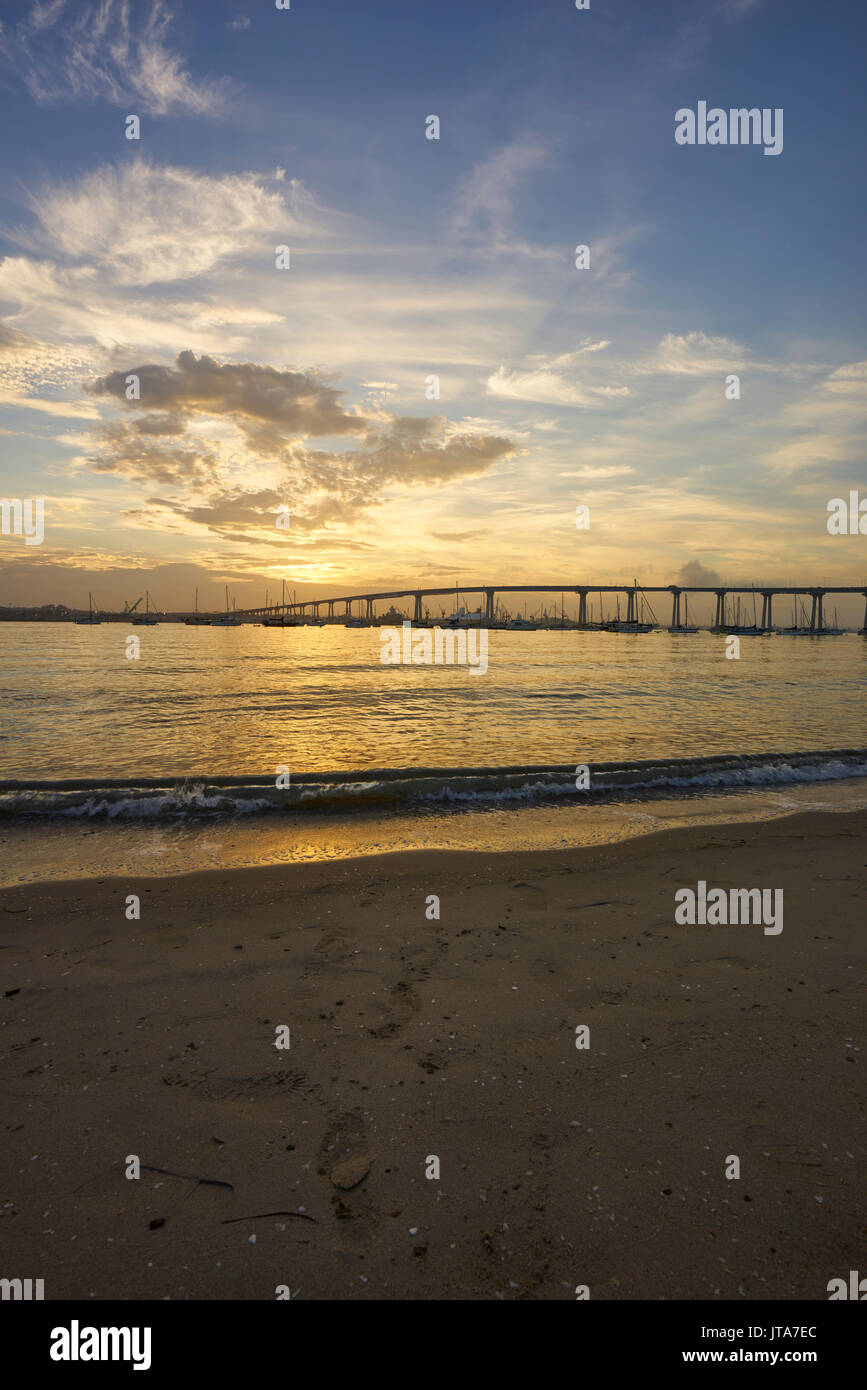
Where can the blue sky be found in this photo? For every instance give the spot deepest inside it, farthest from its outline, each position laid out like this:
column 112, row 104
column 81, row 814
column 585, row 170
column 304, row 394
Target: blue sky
column 412, row 257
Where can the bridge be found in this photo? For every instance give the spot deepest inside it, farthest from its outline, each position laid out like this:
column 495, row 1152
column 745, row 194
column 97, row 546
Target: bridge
column 632, row 593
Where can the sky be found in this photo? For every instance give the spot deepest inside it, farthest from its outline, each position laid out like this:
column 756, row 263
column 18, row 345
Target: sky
column 431, row 386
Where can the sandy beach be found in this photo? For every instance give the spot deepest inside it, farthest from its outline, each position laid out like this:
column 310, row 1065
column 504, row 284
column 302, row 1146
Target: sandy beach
column 414, row 1037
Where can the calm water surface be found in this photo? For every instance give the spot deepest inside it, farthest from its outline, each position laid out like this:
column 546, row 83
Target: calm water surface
column 203, row 704
column 210, row 701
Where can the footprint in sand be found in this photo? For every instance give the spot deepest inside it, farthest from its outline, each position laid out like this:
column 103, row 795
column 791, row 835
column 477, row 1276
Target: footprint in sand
column 239, row 1088
column 431, row 1062
column 345, row 1154
column 345, row 1158
column 402, row 1004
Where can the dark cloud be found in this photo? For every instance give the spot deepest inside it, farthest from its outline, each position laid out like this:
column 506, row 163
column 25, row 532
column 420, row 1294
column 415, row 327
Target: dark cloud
column 127, row 454
column 267, row 404
column 424, row 450
column 237, row 511
column 159, row 425
column 160, row 442
column 238, row 516
column 413, row 451
column 694, row 574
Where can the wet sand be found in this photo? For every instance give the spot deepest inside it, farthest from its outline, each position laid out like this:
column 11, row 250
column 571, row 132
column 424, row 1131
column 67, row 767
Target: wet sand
column 414, row 1038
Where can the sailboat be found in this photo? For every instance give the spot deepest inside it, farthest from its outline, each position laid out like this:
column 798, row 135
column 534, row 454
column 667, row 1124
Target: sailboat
column 147, row 618
column 684, row 627
column 197, row 619
column 227, row 619
column 797, row 630
column 282, row 621
column 643, row 625
column 591, row 625
column 742, row 629
column 93, row 619
column 834, row 631
column 630, row 624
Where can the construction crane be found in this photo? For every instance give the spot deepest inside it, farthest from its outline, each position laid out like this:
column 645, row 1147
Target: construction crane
column 126, row 608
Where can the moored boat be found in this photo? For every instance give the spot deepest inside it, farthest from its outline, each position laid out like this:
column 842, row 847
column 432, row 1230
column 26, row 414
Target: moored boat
column 227, row 619
column 147, row 618
column 197, row 619
column 93, row 619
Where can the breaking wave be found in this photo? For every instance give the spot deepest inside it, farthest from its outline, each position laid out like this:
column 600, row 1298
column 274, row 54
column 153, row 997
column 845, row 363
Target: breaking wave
column 171, row 799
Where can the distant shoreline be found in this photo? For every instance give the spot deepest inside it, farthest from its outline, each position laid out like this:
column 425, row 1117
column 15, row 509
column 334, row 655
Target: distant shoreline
column 614, row 626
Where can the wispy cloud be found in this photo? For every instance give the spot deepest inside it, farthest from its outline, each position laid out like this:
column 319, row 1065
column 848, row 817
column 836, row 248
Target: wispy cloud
column 694, row 35
column 108, row 51
column 598, row 474
column 73, row 410
column 826, row 426
column 89, row 220
column 483, row 214
column 542, row 384
column 694, row 354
